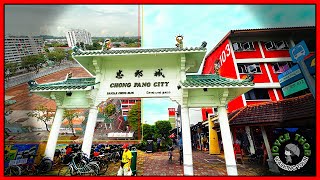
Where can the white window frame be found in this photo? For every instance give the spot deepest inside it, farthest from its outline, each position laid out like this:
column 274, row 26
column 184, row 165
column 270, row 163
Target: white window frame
column 274, row 46
column 246, row 66
column 241, row 49
column 279, row 72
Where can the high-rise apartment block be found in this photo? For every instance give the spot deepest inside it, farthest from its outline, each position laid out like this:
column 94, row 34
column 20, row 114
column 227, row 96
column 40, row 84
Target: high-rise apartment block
column 17, row 47
column 75, row 36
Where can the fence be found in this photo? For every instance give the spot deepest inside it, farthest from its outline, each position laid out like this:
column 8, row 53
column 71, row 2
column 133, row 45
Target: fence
column 16, row 80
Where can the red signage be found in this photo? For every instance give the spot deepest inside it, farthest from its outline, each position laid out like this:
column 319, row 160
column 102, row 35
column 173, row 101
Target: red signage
column 172, row 112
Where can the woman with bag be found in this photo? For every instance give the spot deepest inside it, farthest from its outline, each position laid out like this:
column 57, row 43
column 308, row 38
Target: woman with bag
column 124, row 169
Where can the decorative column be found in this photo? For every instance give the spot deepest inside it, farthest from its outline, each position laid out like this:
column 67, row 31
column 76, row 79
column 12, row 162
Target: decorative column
column 272, row 165
column 186, row 141
column 213, row 138
column 54, row 134
column 227, row 142
column 89, row 132
column 252, row 150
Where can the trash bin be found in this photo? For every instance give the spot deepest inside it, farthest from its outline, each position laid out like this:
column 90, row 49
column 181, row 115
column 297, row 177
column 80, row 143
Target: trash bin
column 134, row 161
column 149, row 146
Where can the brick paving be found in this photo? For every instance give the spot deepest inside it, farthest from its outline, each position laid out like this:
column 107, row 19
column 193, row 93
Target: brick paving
column 157, row 164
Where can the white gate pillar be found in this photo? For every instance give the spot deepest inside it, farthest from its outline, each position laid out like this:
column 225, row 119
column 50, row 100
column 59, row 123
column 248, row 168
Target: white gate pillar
column 272, row 165
column 227, row 142
column 252, row 150
column 186, row 141
column 89, row 132
column 54, row 134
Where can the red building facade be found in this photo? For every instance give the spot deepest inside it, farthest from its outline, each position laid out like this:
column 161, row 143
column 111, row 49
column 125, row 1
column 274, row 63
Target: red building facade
column 261, row 52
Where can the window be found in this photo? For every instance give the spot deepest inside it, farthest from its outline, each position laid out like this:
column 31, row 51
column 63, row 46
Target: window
column 276, row 45
column 131, row 101
column 281, row 67
column 243, row 46
column 257, row 94
column 249, row 68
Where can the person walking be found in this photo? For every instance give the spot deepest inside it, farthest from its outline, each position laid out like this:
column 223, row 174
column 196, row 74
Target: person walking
column 124, row 169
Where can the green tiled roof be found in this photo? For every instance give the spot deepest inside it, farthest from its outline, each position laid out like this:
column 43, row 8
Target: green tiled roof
column 136, row 51
column 72, row 83
column 213, row 80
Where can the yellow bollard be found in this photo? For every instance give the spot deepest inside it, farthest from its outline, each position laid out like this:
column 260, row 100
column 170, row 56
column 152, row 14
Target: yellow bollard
column 213, row 138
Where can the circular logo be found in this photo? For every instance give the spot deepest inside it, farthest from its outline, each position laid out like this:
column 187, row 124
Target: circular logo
column 291, row 153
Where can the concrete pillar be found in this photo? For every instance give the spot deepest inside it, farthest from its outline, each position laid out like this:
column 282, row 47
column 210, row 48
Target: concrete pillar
column 272, row 165
column 186, row 141
column 227, row 142
column 213, row 138
column 54, row 134
column 88, row 136
column 252, row 150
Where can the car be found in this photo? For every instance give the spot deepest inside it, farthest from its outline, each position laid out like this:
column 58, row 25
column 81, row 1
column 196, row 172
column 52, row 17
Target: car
column 298, row 52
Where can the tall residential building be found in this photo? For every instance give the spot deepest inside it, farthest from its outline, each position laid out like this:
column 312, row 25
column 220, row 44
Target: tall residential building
column 17, row 47
column 261, row 52
column 75, row 36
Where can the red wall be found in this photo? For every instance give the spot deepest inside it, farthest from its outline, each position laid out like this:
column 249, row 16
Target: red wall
column 259, row 78
column 249, row 54
column 235, row 104
column 274, row 53
column 227, row 68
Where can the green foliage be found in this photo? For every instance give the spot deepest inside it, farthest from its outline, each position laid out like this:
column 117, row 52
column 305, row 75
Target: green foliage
column 70, row 115
column 163, row 128
column 57, row 55
column 148, row 131
column 134, row 116
column 12, row 67
column 32, row 61
column 42, row 113
column 110, row 109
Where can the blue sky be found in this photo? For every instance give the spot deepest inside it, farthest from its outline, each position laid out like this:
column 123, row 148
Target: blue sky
column 210, row 23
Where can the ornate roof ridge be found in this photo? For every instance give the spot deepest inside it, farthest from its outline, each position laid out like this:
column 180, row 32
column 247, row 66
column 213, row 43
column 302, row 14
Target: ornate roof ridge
column 213, row 80
column 139, row 50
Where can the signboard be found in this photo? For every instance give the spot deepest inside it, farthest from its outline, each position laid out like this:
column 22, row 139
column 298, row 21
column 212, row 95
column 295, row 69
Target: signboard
column 294, row 87
column 299, row 52
column 311, row 64
column 172, row 112
column 289, row 76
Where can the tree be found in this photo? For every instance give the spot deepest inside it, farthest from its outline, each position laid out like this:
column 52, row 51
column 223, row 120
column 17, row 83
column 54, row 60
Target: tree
column 10, row 69
column 70, row 115
column 42, row 113
column 33, row 61
column 134, row 118
column 148, row 131
column 57, row 55
column 163, row 128
column 110, row 109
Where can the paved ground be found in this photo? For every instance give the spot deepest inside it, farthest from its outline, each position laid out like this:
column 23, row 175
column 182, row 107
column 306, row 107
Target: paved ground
column 157, row 164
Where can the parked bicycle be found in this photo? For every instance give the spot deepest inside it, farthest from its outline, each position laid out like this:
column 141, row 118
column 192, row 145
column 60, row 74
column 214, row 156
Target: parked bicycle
column 12, row 170
column 80, row 165
column 44, row 166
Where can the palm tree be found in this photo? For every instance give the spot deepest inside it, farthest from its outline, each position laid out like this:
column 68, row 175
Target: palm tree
column 70, row 115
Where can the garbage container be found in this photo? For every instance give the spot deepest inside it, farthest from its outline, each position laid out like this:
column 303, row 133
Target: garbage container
column 134, row 161
column 149, row 146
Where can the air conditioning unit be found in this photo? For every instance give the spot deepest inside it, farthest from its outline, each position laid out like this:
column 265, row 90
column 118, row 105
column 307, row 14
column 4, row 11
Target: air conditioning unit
column 247, row 46
column 236, row 46
column 269, row 45
column 252, row 68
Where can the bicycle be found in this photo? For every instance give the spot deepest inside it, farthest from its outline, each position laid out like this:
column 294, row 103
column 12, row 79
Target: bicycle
column 12, row 170
column 80, row 165
column 44, row 166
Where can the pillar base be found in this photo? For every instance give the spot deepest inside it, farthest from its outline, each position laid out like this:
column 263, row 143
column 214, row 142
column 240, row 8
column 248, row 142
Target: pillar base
column 232, row 170
column 273, row 167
